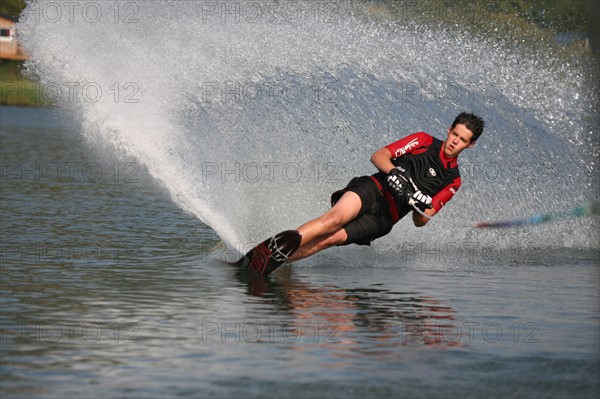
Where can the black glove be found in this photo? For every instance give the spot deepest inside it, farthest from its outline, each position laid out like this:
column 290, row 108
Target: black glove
column 422, row 201
column 398, row 183
column 417, row 198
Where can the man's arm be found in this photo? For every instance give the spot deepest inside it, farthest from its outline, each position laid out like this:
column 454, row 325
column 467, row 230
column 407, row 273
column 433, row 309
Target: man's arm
column 382, row 159
column 420, row 220
column 438, row 201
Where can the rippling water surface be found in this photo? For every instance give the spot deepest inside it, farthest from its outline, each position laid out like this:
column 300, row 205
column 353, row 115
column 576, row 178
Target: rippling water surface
column 110, row 290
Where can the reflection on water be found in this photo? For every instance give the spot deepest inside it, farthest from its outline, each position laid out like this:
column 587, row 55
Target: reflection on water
column 349, row 316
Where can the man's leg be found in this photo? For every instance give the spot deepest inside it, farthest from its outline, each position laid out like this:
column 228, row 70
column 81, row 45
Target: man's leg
column 319, row 244
column 327, row 230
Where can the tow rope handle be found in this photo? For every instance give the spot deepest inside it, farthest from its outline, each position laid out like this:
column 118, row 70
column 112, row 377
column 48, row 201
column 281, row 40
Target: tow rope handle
column 413, row 203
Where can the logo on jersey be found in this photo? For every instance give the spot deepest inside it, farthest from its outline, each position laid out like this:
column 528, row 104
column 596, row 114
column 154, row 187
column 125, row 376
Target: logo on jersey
column 412, row 144
column 432, row 172
column 452, row 190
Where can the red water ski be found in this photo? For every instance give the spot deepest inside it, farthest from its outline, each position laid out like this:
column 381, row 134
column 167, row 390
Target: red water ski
column 271, row 253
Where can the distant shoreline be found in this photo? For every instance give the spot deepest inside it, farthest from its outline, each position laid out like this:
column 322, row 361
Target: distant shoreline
column 22, row 93
column 16, row 89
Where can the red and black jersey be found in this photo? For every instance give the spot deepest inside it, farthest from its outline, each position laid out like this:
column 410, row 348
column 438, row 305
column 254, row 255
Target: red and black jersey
column 434, row 174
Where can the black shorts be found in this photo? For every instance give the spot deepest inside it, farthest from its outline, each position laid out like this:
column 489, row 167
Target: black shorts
column 374, row 219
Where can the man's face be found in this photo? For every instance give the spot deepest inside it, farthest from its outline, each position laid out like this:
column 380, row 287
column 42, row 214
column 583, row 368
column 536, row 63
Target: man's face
column 458, row 139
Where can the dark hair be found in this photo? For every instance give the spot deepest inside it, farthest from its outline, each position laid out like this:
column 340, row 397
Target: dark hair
column 473, row 122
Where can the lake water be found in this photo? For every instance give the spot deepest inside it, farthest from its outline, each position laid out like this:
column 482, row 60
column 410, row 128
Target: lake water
column 110, row 290
column 185, row 132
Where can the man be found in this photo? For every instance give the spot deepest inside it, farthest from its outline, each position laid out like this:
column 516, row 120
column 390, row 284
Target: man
column 417, row 173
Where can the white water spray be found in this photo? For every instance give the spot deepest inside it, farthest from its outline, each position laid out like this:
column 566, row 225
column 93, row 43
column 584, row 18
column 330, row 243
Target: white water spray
column 252, row 113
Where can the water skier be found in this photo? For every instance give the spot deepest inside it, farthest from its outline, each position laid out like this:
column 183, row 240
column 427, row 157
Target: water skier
column 418, row 171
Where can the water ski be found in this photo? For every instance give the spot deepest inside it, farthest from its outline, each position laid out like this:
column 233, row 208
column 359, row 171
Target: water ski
column 271, row 253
